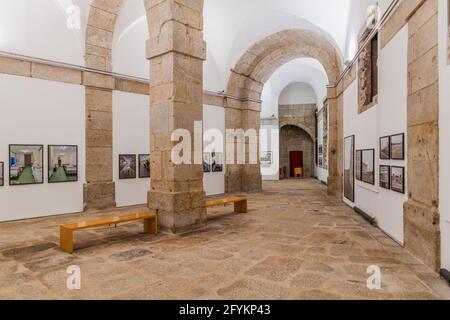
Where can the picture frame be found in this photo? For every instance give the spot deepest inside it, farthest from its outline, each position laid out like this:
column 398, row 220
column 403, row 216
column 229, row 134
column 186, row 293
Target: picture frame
column 26, row 164
column 266, row 158
column 127, row 166
column 349, row 168
column 144, row 166
column 385, row 177
column 216, row 162
column 358, row 165
column 385, row 148
column 398, row 179
column 397, row 149
column 368, row 166
column 62, row 164
column 206, row 162
column 2, row 174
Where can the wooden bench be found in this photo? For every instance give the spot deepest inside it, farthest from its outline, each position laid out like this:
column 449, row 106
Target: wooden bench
column 66, row 230
column 240, row 203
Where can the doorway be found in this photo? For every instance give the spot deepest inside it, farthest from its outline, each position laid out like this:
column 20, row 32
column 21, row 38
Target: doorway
column 28, row 161
column 295, row 161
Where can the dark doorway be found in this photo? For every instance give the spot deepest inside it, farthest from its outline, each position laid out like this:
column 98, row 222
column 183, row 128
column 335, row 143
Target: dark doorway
column 28, row 162
column 295, row 161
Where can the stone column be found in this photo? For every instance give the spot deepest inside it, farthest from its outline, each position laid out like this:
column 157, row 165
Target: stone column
column 176, row 51
column 421, row 214
column 335, row 143
column 99, row 190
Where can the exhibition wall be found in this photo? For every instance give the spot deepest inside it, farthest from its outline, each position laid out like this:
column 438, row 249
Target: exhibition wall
column 50, row 113
column 386, row 118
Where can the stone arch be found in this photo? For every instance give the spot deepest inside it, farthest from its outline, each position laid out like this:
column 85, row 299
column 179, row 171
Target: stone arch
column 300, row 125
column 260, row 61
column 247, row 81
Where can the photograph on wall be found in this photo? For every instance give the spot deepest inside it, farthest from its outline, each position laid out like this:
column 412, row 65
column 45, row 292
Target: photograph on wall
column 62, row 164
column 321, row 150
column 385, row 148
column 2, row 175
column 144, row 166
column 26, row 164
column 320, row 162
column 398, row 179
column 127, row 166
column 358, row 163
column 398, row 147
column 368, row 166
column 206, row 162
column 349, row 168
column 385, row 177
column 216, row 162
column 266, row 158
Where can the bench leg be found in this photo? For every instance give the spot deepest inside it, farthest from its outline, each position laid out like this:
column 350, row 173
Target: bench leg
column 66, row 240
column 240, row 207
column 151, row 225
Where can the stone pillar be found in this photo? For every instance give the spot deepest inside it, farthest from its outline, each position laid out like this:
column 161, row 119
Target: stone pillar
column 421, row 214
column 176, row 51
column 99, row 190
column 335, row 142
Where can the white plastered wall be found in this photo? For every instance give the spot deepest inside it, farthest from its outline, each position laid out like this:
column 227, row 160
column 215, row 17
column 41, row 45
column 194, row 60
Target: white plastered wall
column 389, row 117
column 45, row 113
column 213, row 127
column 131, row 135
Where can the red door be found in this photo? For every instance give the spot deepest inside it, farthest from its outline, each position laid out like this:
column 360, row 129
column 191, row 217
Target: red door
column 296, row 161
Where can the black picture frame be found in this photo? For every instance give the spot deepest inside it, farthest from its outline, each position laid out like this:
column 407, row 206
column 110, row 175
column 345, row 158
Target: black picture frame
column 134, row 161
column 358, row 165
column 11, row 181
column 387, row 140
column 266, row 153
column 403, row 188
column 402, row 147
column 49, row 164
column 349, row 177
column 2, row 174
column 206, row 162
column 385, row 184
column 216, row 162
column 143, row 173
column 371, row 155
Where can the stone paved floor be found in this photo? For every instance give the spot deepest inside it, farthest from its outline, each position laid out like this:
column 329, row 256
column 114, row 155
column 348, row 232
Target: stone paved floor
column 295, row 243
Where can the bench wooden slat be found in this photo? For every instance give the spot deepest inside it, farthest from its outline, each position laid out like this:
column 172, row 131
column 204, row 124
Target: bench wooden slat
column 108, row 221
column 240, row 203
column 67, row 230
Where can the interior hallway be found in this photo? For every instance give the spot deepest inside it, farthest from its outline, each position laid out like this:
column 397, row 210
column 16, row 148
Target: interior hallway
column 295, row 243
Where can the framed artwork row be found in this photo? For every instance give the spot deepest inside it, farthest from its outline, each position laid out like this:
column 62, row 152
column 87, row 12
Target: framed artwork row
column 130, row 165
column 26, row 164
column 392, row 147
column 212, row 162
column 392, row 178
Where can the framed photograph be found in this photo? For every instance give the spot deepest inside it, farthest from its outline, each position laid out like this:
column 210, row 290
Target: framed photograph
column 2, row 174
column 358, row 165
column 144, row 166
column 349, row 168
column 368, row 166
column 320, row 162
column 266, row 158
column 206, row 162
column 385, row 148
column 385, row 177
column 127, row 166
column 62, row 164
column 320, row 150
column 398, row 179
column 26, row 164
column 216, row 162
column 398, row 147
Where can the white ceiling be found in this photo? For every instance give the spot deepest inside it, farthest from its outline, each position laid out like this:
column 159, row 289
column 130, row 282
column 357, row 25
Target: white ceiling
column 38, row 28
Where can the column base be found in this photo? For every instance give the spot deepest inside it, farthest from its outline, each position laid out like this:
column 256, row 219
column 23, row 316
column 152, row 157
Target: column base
column 100, row 195
column 422, row 232
column 179, row 212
